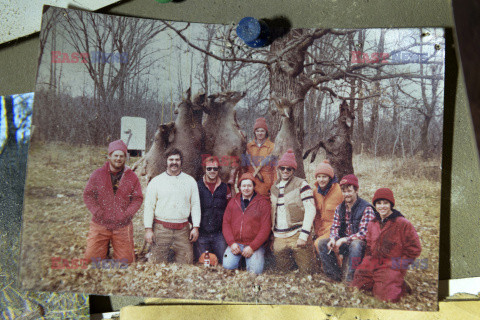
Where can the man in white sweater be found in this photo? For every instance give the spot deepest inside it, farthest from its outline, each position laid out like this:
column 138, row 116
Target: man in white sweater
column 171, row 198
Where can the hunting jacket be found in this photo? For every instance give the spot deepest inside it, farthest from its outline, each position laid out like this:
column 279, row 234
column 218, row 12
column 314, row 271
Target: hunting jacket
column 109, row 209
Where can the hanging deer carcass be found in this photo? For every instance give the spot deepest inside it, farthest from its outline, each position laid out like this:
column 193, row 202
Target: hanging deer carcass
column 189, row 135
column 223, row 137
column 338, row 146
column 154, row 162
column 286, row 137
column 185, row 134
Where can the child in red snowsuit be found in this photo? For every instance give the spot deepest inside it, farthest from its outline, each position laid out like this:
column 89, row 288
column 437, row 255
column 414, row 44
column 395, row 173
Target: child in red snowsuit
column 392, row 244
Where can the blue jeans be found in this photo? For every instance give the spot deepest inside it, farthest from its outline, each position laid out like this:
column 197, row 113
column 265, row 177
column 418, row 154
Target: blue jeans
column 354, row 251
column 254, row 264
column 214, row 243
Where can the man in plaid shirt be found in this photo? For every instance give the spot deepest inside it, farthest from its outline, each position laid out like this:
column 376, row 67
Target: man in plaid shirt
column 347, row 234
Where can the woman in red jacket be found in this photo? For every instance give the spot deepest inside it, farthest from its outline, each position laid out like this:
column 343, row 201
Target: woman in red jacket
column 246, row 227
column 392, row 244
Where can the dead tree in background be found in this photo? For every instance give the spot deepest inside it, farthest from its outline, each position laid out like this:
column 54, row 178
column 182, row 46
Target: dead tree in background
column 49, row 22
column 121, row 37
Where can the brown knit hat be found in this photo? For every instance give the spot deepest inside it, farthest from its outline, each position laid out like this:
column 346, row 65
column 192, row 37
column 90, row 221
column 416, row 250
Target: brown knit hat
column 324, row 168
column 260, row 123
column 246, row 176
column 349, row 179
column 384, row 194
column 288, row 160
column 117, row 145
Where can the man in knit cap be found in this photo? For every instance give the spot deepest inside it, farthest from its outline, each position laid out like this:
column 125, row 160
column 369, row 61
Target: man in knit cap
column 171, row 199
column 347, row 234
column 392, row 245
column 328, row 196
column 113, row 195
column 293, row 211
column 259, row 161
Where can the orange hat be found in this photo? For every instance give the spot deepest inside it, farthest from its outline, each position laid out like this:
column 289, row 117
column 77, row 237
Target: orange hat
column 288, row 160
column 246, row 176
column 260, row 123
column 324, row 168
column 213, row 259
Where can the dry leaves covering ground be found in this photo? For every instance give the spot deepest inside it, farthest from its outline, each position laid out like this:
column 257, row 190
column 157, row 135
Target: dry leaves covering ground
column 56, row 225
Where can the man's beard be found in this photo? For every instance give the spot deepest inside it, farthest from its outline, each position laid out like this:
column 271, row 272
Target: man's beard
column 349, row 200
column 117, row 165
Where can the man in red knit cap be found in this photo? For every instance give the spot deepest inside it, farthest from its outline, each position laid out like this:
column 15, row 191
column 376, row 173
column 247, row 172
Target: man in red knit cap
column 113, row 195
column 293, row 211
column 347, row 233
column 392, row 245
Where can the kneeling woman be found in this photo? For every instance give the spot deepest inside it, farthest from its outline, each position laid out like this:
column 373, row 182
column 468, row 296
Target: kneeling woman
column 392, row 244
column 246, row 227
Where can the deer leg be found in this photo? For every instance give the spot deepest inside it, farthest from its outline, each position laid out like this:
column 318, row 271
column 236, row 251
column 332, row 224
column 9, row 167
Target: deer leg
column 314, row 151
column 138, row 163
column 232, row 177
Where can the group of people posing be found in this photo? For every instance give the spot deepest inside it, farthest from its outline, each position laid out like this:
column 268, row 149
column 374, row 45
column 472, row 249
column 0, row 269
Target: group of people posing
column 327, row 226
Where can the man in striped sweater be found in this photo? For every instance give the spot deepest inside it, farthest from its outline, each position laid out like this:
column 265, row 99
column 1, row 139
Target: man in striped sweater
column 171, row 198
column 293, row 211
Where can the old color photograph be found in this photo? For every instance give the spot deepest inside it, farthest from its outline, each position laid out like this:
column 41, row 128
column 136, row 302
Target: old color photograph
column 172, row 160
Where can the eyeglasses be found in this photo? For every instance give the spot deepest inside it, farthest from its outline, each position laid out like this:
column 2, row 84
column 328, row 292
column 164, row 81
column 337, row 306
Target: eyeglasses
column 212, row 168
column 289, row 169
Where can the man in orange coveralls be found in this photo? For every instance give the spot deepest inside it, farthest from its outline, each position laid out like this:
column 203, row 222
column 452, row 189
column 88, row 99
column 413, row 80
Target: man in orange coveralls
column 113, row 195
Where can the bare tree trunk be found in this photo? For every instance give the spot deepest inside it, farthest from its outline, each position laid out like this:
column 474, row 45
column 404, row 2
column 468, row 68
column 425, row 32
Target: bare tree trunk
column 285, row 83
column 376, row 102
column 359, row 139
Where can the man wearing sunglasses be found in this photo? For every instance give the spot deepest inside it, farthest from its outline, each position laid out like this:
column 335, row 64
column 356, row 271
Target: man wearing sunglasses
column 214, row 196
column 293, row 211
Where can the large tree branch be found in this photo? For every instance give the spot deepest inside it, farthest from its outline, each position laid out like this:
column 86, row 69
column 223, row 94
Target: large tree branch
column 305, row 41
column 333, row 93
column 211, row 54
column 348, row 72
